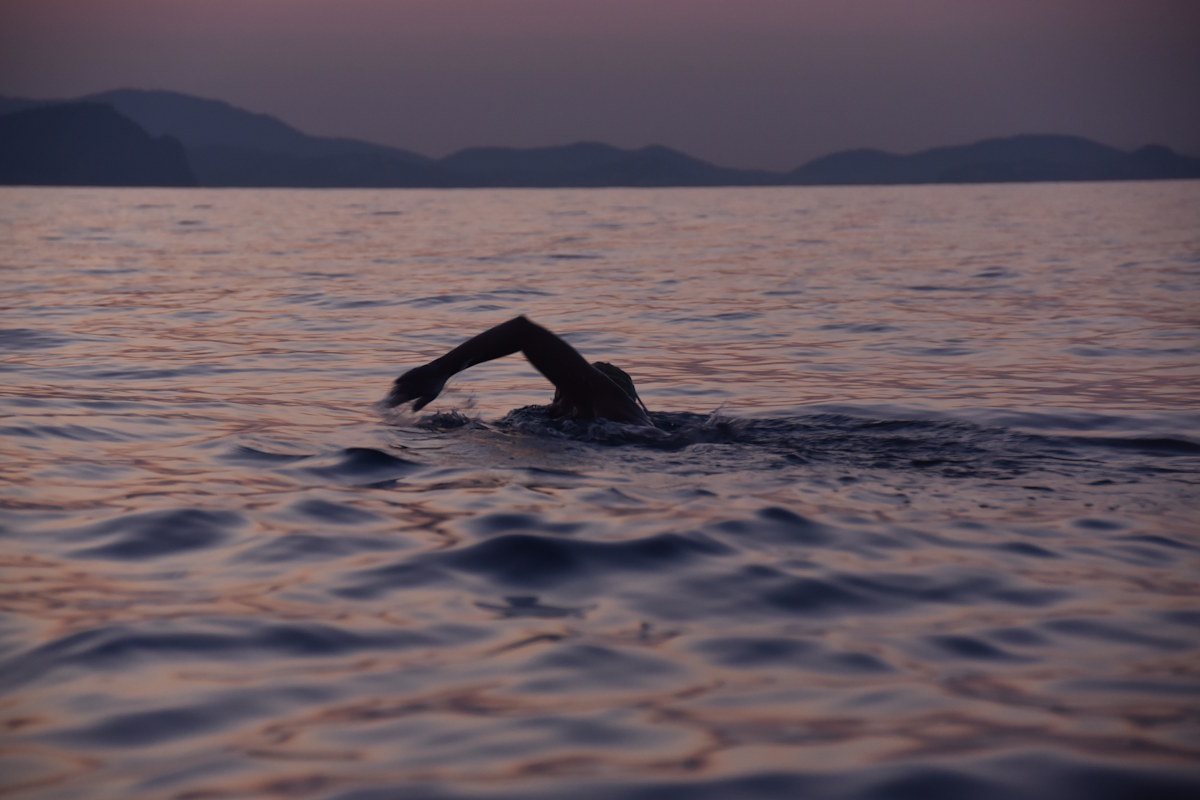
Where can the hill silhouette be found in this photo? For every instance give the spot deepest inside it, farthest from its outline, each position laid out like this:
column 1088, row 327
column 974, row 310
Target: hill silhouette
column 588, row 164
column 228, row 146
column 198, row 123
column 86, row 144
column 1016, row 158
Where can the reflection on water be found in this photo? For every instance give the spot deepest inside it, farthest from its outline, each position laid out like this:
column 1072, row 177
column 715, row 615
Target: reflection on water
column 918, row 519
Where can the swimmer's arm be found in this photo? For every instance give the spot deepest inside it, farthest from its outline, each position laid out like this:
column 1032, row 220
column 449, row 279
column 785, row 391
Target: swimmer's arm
column 550, row 355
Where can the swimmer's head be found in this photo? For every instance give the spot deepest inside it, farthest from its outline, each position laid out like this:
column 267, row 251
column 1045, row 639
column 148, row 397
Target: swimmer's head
column 618, row 376
column 621, row 378
column 615, row 374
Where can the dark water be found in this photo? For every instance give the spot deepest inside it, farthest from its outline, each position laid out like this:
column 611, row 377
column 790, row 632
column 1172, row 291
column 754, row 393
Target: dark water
column 919, row 517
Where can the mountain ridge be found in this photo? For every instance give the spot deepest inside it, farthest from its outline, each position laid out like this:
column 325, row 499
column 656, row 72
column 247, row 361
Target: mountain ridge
column 229, row 146
column 86, row 144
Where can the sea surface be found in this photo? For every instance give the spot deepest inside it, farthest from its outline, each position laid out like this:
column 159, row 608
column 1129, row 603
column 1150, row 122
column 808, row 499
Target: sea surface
column 920, row 517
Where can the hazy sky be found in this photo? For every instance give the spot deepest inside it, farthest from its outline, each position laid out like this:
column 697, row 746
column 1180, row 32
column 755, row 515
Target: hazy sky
column 754, row 83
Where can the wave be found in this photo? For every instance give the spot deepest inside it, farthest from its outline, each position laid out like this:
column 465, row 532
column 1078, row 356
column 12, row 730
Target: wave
column 947, row 447
column 1026, row 775
column 122, row 647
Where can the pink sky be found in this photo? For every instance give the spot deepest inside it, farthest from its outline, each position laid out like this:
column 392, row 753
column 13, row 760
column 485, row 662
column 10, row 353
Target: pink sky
column 754, row 83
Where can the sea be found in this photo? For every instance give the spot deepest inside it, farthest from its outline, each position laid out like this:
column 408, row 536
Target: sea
column 919, row 516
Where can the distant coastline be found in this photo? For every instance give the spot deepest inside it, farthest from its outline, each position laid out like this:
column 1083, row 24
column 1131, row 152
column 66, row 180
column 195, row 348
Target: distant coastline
column 156, row 138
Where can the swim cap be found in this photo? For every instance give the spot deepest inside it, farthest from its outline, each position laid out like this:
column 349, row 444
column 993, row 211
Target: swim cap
column 618, row 376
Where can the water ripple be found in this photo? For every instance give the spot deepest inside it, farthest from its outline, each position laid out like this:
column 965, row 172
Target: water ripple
column 924, row 549
column 157, row 534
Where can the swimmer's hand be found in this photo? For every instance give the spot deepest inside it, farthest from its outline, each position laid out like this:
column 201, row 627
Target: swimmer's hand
column 422, row 384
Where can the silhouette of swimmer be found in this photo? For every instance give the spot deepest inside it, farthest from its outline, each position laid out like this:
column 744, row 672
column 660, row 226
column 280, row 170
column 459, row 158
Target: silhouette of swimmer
column 582, row 391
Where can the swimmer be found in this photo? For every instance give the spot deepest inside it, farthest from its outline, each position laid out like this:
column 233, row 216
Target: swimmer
column 582, row 391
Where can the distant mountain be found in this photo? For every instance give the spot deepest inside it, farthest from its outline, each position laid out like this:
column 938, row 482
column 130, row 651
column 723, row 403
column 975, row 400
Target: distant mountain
column 218, row 165
column 10, row 104
column 86, row 144
column 1017, row 158
column 198, row 123
column 228, row 146
column 588, row 164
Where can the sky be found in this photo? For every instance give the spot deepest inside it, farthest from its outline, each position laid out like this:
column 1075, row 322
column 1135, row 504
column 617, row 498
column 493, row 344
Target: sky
column 766, row 84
